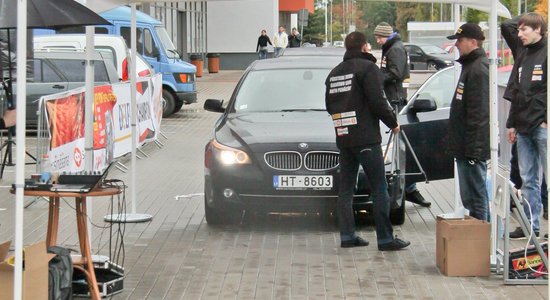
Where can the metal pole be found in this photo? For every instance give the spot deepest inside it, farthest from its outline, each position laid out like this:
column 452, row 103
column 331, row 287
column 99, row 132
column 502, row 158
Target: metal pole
column 20, row 150
column 493, row 95
column 458, row 207
column 326, row 19
column 331, row 41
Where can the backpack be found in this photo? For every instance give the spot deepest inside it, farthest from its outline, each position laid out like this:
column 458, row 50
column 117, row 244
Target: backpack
column 60, row 274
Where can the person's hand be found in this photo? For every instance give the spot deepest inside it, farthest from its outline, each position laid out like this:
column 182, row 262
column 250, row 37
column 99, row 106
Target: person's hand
column 9, row 117
column 396, row 130
column 369, row 48
column 512, row 135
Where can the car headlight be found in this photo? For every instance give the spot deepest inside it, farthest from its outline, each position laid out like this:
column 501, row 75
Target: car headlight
column 229, row 156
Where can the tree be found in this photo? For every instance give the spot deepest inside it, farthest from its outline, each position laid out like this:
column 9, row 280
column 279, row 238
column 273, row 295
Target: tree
column 542, row 8
column 314, row 32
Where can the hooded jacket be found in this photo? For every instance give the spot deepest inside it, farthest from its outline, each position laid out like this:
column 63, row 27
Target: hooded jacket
column 356, row 102
column 527, row 84
column 395, row 67
column 469, row 115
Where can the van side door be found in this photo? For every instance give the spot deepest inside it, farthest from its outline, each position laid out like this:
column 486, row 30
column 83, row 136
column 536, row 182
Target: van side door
column 145, row 44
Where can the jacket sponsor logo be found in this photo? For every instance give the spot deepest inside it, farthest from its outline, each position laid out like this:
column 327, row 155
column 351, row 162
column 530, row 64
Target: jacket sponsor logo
column 344, row 119
column 519, row 74
column 537, row 73
column 342, row 131
column 383, row 63
column 459, row 91
column 340, row 84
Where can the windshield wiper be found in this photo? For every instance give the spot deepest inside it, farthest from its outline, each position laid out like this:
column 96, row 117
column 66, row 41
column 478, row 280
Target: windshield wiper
column 302, row 109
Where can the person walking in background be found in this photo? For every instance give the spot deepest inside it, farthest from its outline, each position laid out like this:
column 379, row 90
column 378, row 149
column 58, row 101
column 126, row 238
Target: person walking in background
column 261, row 46
column 469, row 121
column 295, row 39
column 356, row 102
column 527, row 119
column 280, row 42
column 395, row 67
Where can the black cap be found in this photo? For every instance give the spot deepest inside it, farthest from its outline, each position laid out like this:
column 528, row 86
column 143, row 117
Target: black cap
column 468, row 30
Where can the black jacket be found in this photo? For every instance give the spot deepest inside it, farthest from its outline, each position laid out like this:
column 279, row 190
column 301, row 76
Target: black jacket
column 263, row 40
column 355, row 100
column 294, row 41
column 395, row 67
column 527, row 84
column 469, row 115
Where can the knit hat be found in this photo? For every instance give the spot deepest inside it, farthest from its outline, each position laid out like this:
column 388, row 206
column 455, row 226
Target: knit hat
column 383, row 29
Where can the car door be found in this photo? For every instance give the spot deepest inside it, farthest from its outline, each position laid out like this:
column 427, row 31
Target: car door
column 417, row 57
column 44, row 80
column 427, row 131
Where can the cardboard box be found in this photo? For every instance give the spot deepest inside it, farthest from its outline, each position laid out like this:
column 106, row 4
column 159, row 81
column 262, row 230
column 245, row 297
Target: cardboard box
column 463, row 247
column 35, row 271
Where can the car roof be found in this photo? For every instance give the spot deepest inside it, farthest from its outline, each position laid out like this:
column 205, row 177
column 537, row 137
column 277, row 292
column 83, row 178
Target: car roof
column 64, row 54
column 297, row 62
column 315, row 51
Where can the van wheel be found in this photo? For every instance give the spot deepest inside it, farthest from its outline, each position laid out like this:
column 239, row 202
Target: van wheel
column 179, row 104
column 169, row 103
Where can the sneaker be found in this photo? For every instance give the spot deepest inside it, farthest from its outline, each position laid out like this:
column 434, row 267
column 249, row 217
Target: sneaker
column 396, row 244
column 357, row 242
column 416, row 197
column 517, row 234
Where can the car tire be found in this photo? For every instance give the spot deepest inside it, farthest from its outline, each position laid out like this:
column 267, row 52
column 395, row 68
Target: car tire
column 179, row 105
column 169, row 103
column 432, row 66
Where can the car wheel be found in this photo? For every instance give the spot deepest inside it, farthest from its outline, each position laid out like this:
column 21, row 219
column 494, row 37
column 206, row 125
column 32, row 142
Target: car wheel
column 169, row 103
column 432, row 66
column 179, row 104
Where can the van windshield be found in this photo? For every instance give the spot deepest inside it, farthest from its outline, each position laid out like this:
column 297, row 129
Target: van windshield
column 166, row 42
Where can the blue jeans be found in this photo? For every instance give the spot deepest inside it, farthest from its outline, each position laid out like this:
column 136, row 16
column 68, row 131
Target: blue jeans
column 532, row 164
column 472, row 179
column 263, row 54
column 278, row 51
column 370, row 157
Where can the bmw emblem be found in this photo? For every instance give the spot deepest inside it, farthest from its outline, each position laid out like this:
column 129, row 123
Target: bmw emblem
column 303, row 146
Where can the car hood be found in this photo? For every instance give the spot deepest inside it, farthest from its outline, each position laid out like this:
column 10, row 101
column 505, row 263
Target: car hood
column 272, row 131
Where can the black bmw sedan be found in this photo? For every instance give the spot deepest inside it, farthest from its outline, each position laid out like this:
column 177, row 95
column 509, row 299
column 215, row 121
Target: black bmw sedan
column 273, row 148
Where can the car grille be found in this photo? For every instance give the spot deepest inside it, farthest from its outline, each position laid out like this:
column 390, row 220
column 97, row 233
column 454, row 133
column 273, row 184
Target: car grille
column 320, row 161
column 284, row 160
column 291, row 161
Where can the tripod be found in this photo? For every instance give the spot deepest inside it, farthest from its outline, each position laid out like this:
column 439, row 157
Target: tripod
column 395, row 140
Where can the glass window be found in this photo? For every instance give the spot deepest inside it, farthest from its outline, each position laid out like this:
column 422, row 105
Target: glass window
column 42, row 72
column 74, row 70
column 166, row 42
column 278, row 90
column 148, row 43
column 441, row 87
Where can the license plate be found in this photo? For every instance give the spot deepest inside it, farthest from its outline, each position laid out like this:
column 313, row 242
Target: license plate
column 323, row 182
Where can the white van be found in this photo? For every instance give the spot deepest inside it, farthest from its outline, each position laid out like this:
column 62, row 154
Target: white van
column 113, row 44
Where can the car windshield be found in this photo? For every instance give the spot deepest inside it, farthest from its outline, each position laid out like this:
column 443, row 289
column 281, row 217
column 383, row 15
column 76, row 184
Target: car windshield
column 431, row 49
column 282, row 90
column 166, row 42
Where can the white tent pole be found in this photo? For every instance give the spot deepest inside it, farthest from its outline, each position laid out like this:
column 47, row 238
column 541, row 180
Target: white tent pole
column 493, row 96
column 458, row 207
column 20, row 149
column 133, row 102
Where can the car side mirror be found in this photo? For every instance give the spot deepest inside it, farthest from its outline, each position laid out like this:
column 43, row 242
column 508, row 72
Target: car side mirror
column 214, row 105
column 424, row 104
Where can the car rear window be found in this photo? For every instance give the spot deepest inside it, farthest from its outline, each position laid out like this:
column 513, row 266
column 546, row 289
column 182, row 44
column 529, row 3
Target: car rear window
column 42, row 72
column 74, row 70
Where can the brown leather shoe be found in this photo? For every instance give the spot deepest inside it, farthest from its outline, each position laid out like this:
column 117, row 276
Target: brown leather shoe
column 416, row 197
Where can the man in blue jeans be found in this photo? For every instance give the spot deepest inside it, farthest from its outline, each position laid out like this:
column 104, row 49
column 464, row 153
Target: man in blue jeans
column 356, row 102
column 469, row 121
column 527, row 120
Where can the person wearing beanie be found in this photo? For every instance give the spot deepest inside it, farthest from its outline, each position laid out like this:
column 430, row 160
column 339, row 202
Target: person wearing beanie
column 395, row 67
column 469, row 121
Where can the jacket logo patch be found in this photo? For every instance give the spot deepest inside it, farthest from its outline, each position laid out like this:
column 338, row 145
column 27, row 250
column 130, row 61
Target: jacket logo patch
column 340, row 84
column 459, row 91
column 342, row 131
column 519, row 74
column 383, row 63
column 345, row 122
column 537, row 73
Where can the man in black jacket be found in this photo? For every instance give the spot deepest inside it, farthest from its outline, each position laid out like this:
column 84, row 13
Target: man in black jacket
column 469, row 120
column 356, row 102
column 527, row 120
column 395, row 67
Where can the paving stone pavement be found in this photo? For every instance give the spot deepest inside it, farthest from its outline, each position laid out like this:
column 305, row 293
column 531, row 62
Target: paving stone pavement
column 278, row 256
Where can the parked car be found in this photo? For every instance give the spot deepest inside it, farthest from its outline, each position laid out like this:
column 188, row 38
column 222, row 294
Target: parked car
column 155, row 45
column 339, row 44
column 274, row 149
column 52, row 72
column 428, row 57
